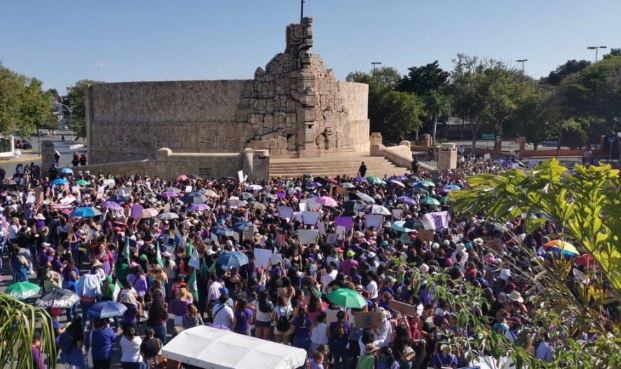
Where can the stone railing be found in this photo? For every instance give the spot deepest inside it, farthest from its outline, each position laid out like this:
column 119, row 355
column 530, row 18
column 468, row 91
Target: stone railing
column 400, row 155
column 169, row 165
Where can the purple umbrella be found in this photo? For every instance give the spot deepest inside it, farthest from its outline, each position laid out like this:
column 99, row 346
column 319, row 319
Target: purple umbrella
column 111, row 205
column 406, row 200
column 313, row 185
column 169, row 195
column 281, row 195
column 360, row 179
column 199, row 207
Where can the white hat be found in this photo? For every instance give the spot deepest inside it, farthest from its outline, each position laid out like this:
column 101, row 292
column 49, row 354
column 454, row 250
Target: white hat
column 515, row 296
column 39, row 217
column 478, row 241
column 435, row 246
column 505, row 274
column 371, row 255
column 460, row 247
column 424, row 268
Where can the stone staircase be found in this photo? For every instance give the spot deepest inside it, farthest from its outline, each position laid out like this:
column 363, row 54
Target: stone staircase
column 333, row 165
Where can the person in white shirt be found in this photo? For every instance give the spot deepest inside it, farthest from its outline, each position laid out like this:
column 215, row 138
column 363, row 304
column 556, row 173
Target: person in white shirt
column 130, row 349
column 223, row 313
column 319, row 331
column 372, row 287
column 327, row 277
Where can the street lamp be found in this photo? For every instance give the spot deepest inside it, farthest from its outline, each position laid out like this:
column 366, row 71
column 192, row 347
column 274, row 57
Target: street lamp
column 596, row 48
column 375, row 64
column 523, row 61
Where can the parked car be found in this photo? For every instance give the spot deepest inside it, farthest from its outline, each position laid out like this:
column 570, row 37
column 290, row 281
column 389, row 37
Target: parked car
column 23, row 144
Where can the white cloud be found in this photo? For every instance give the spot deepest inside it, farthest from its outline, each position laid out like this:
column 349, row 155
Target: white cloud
column 100, row 63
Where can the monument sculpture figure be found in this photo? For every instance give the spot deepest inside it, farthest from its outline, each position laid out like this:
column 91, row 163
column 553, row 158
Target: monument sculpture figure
column 294, row 107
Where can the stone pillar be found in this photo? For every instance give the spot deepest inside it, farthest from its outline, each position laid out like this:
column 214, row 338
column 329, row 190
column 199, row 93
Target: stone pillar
column 47, row 155
column 427, row 140
column 248, row 161
column 376, row 143
column 447, row 156
column 261, row 165
column 521, row 141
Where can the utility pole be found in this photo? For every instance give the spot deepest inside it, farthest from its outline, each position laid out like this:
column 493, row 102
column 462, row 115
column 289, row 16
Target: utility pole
column 522, row 61
column 375, row 64
column 302, row 10
column 596, row 48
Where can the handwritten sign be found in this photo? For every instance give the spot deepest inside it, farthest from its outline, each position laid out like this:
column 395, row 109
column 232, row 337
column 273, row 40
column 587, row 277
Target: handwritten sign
column 262, row 257
column 368, row 320
column 308, row 236
column 403, row 308
column 425, row 235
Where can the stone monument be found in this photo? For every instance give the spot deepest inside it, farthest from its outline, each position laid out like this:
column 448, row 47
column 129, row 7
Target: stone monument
column 447, row 156
column 294, row 107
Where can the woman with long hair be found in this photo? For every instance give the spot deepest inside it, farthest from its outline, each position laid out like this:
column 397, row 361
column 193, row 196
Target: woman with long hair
column 282, row 317
column 150, row 348
column 319, row 331
column 70, row 344
column 263, row 317
column 130, row 349
column 243, row 317
column 158, row 316
column 301, row 329
column 192, row 318
column 338, row 340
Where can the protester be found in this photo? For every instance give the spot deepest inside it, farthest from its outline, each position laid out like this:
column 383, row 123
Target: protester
column 130, row 349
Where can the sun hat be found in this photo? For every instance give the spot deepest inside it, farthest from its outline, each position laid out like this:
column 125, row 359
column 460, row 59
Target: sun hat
column 478, row 241
column 224, row 291
column 96, row 264
column 505, row 274
column 515, row 296
column 424, row 268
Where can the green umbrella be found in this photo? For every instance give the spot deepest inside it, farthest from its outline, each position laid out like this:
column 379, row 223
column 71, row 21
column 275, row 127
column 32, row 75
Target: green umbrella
column 82, row 182
column 430, row 201
column 22, row 290
column 375, row 180
column 347, row 298
column 444, row 200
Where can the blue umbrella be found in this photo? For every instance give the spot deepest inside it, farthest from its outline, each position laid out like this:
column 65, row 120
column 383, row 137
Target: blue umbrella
column 66, row 171
column 85, row 212
column 232, row 259
column 106, row 309
column 238, row 226
column 222, row 231
column 451, row 187
column 406, row 200
column 313, row 185
column 194, row 198
column 60, row 182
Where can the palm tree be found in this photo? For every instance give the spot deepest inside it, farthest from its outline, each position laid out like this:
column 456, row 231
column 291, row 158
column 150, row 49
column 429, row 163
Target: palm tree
column 437, row 104
column 18, row 324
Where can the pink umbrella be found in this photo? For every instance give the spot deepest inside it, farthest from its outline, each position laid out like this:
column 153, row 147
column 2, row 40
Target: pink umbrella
column 182, row 178
column 149, row 213
column 327, row 201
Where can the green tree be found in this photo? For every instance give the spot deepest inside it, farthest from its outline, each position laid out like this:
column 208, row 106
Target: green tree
column 501, row 95
column 76, row 98
column 36, row 108
column 613, row 52
column 586, row 204
column 400, row 115
column 570, row 67
column 19, row 322
column 531, row 119
column 430, row 83
column 11, row 88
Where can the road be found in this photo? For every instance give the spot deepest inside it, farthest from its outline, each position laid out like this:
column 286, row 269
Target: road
column 64, row 142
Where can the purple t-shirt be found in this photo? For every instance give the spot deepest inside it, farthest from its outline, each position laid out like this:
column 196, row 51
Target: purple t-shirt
column 243, row 319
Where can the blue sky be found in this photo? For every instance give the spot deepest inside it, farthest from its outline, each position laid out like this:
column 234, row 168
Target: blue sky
column 64, row 41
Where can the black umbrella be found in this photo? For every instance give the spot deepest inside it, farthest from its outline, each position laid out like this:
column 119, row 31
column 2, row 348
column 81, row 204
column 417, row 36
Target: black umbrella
column 59, row 298
column 194, row 198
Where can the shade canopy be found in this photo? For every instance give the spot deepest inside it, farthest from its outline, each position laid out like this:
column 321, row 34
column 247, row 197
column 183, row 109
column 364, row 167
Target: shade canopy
column 207, row 347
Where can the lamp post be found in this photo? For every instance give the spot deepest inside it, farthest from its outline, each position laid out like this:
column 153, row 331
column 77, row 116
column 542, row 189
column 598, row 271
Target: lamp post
column 375, row 64
column 302, row 10
column 522, row 61
column 596, row 48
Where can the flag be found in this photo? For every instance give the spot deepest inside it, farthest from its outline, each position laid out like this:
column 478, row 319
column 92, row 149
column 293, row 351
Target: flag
column 192, row 286
column 116, row 290
column 126, row 250
column 194, row 260
column 435, row 221
column 158, row 255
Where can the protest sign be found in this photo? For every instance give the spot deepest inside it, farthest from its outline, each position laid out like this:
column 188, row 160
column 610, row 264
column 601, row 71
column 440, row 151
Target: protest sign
column 240, row 176
column 276, row 258
column 302, row 206
column 262, row 257
column 403, row 308
column 341, row 232
column 314, row 206
column 332, row 238
column 347, row 222
column 396, row 213
column 368, row 320
column 285, row 212
column 307, row 236
column 310, row 217
column 109, row 182
column 425, row 235
column 372, row 220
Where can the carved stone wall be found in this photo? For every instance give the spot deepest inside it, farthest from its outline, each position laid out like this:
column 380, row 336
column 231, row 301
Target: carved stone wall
column 293, row 107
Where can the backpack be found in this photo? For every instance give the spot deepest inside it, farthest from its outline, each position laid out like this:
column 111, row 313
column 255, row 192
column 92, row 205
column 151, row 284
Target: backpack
column 283, row 324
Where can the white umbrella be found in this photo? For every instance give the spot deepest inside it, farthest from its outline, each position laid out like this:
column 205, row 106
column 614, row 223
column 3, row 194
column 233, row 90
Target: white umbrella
column 211, row 193
column 254, row 187
column 348, row 185
column 379, row 209
column 168, row 216
column 366, row 198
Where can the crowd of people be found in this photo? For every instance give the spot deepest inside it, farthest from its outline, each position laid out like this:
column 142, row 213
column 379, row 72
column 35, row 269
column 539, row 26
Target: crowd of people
column 157, row 247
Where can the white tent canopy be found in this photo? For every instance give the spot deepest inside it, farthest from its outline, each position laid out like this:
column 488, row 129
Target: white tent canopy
column 212, row 348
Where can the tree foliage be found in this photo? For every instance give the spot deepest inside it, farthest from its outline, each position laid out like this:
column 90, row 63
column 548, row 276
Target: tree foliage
column 570, row 67
column 19, row 322
column 76, row 98
column 24, row 105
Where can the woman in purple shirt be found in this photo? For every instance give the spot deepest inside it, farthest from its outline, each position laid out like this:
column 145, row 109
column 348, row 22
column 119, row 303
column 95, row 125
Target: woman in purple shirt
column 139, row 281
column 243, row 317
